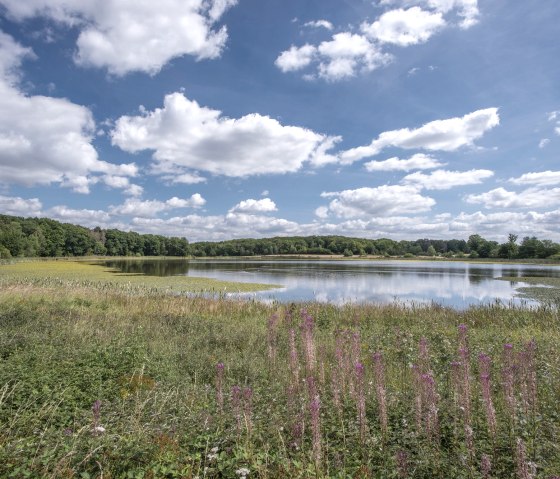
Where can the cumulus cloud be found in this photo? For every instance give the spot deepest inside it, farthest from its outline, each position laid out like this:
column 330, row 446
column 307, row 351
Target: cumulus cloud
column 122, row 182
column 419, row 161
column 440, row 135
column 319, row 24
column 404, row 27
column 445, row 180
column 266, row 205
column 296, row 58
column 83, row 217
column 343, row 56
column 16, row 206
column 185, row 135
column 45, row 140
column 384, row 200
column 126, row 36
column 151, row 208
column 529, row 198
column 544, row 142
column 466, row 10
column 348, row 54
column 541, row 178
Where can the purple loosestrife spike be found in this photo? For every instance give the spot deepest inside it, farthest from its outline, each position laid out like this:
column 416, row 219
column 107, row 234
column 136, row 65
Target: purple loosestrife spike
column 314, row 407
column 401, row 459
column 523, row 470
column 294, row 361
column 380, row 390
column 220, row 386
column 430, row 400
column 361, row 399
column 308, row 341
column 508, row 379
column 418, row 397
column 484, row 365
column 485, row 466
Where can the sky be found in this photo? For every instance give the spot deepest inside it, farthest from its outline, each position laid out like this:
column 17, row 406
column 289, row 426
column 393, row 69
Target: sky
column 222, row 119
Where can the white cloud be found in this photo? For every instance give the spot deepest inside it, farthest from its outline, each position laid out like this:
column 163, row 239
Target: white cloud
column 296, row 58
column 151, row 208
column 122, row 182
column 419, row 161
column 443, row 135
column 82, row 217
column 319, row 24
column 266, row 205
column 16, row 206
column 348, row 53
column 467, row 10
column 322, row 212
column 126, row 35
column 445, row 180
column 45, row 140
column 544, row 142
column 542, row 178
column 187, row 135
column 404, row 27
column 529, row 198
column 343, row 56
column 219, row 227
column 381, row 201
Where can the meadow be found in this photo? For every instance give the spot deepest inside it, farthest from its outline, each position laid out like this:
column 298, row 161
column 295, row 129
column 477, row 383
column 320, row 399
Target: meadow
column 124, row 378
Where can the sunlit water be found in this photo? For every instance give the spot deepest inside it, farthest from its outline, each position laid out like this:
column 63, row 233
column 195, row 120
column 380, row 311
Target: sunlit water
column 454, row 284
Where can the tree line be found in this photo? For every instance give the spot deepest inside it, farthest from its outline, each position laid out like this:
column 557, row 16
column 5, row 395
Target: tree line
column 32, row 237
column 475, row 247
column 43, row 237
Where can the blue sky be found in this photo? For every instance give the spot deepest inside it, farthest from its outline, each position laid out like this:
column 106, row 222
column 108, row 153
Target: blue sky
column 220, row 119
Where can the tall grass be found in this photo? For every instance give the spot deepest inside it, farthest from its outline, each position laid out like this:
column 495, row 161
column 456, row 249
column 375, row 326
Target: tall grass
column 101, row 381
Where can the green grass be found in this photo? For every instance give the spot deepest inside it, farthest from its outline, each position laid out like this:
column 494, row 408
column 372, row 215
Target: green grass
column 80, row 272
column 150, row 358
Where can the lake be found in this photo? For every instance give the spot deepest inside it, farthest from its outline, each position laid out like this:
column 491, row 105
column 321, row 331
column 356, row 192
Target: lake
column 449, row 283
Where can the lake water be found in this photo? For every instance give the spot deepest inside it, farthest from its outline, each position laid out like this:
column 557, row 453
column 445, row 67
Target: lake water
column 449, row 283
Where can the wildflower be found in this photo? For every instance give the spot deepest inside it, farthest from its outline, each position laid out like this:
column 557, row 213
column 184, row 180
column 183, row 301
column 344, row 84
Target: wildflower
column 485, row 466
column 523, row 467
column 380, row 390
column 402, row 464
column 484, row 362
column 242, row 472
column 361, row 400
column 98, row 430
column 314, row 407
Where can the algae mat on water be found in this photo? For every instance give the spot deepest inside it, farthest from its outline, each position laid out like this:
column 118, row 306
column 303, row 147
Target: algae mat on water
column 89, row 273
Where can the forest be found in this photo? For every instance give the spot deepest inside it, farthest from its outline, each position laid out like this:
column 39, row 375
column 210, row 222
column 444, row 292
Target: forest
column 43, row 237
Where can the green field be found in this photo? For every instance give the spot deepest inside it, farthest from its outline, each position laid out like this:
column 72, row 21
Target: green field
column 114, row 377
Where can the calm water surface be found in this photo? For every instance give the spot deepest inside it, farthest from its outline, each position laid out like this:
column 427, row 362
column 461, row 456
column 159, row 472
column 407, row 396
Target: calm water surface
column 454, row 284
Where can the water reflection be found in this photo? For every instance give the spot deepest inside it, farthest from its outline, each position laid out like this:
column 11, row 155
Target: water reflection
column 448, row 283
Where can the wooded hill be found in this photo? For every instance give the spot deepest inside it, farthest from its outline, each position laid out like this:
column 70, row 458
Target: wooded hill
column 31, row 237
